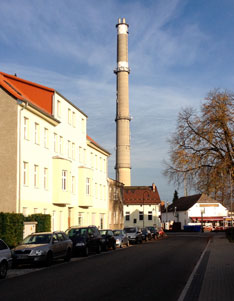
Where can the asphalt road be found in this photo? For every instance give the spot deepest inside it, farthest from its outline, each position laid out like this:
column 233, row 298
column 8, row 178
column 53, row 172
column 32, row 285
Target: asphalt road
column 157, row 270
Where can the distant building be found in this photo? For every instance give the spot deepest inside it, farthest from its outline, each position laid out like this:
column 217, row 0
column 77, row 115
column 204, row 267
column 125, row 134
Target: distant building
column 48, row 163
column 194, row 209
column 141, row 206
column 116, row 216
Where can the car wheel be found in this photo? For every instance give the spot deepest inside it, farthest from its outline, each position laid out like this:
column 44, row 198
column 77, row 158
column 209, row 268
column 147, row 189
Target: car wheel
column 68, row 255
column 3, row 270
column 99, row 249
column 141, row 241
column 86, row 251
column 49, row 259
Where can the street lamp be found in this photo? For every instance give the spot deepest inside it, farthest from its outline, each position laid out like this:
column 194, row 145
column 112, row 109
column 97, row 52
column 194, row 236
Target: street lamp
column 144, row 206
column 202, row 212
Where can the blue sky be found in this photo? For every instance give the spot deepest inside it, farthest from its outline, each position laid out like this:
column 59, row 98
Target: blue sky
column 179, row 50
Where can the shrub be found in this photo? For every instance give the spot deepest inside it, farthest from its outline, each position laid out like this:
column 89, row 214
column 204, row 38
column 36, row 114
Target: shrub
column 43, row 221
column 11, row 228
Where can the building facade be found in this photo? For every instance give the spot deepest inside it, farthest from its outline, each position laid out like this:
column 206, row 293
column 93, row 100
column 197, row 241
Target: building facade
column 141, row 206
column 49, row 165
column 194, row 209
column 116, row 216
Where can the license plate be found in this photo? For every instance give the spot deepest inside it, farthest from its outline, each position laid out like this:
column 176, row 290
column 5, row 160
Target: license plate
column 79, row 244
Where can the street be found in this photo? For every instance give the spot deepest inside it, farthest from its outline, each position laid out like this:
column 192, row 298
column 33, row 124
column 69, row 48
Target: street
column 155, row 270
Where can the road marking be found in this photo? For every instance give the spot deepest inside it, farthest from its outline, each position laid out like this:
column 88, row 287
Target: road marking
column 187, row 286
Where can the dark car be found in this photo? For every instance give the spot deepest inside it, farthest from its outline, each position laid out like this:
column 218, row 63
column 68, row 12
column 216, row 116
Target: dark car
column 43, row 247
column 134, row 234
column 85, row 239
column 108, row 239
column 154, row 232
column 146, row 234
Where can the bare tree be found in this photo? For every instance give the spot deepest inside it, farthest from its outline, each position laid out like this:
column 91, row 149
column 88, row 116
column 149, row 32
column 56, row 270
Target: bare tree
column 202, row 147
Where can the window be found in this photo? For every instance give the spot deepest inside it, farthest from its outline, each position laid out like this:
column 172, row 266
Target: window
column 64, row 180
column 69, row 149
column 25, row 211
column 80, row 155
column 3, row 246
column 46, row 178
column 127, row 216
column 141, row 215
column 46, row 138
column 149, row 215
column 73, row 151
column 85, row 159
column 36, row 176
column 74, row 119
column 55, row 143
column 37, row 134
column 96, row 190
column 73, row 184
column 58, row 108
column 93, row 218
column 80, row 219
column 96, row 161
column 26, row 128
column 88, row 186
column 69, row 116
column 61, row 145
column 25, row 177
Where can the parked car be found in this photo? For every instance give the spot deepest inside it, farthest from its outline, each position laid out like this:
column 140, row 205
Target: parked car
column 154, row 232
column 5, row 259
column 134, row 234
column 146, row 234
column 43, row 247
column 85, row 239
column 108, row 240
column 121, row 238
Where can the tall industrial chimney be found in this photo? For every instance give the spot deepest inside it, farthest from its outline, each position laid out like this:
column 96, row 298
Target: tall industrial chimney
column 123, row 167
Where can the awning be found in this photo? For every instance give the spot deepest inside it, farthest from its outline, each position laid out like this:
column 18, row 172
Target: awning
column 207, row 218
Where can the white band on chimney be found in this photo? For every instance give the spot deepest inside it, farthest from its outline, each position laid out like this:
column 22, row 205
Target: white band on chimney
column 122, row 64
column 122, row 29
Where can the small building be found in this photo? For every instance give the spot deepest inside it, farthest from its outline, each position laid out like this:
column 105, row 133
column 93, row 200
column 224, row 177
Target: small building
column 141, row 206
column 194, row 209
column 116, row 218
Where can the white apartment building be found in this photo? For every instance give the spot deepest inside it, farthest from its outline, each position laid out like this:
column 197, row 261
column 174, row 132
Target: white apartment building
column 49, row 163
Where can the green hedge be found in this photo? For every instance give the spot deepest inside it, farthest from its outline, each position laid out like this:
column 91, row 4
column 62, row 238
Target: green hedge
column 43, row 221
column 11, row 228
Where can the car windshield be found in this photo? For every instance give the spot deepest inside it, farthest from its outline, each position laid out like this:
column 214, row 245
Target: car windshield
column 103, row 232
column 77, row 231
column 117, row 232
column 37, row 239
column 130, row 230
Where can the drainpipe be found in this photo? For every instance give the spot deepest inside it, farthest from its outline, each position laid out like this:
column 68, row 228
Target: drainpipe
column 24, row 105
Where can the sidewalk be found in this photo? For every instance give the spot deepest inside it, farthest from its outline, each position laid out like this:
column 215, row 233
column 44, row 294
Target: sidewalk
column 218, row 281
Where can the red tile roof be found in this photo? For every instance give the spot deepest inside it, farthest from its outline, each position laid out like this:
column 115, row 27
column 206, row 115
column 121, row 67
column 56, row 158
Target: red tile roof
column 141, row 195
column 39, row 95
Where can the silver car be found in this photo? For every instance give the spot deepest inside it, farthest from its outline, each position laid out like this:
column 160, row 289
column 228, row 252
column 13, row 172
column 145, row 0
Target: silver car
column 5, row 259
column 43, row 247
column 121, row 238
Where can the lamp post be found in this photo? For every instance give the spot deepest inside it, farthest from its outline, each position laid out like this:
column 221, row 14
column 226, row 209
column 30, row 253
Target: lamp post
column 144, row 206
column 202, row 212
